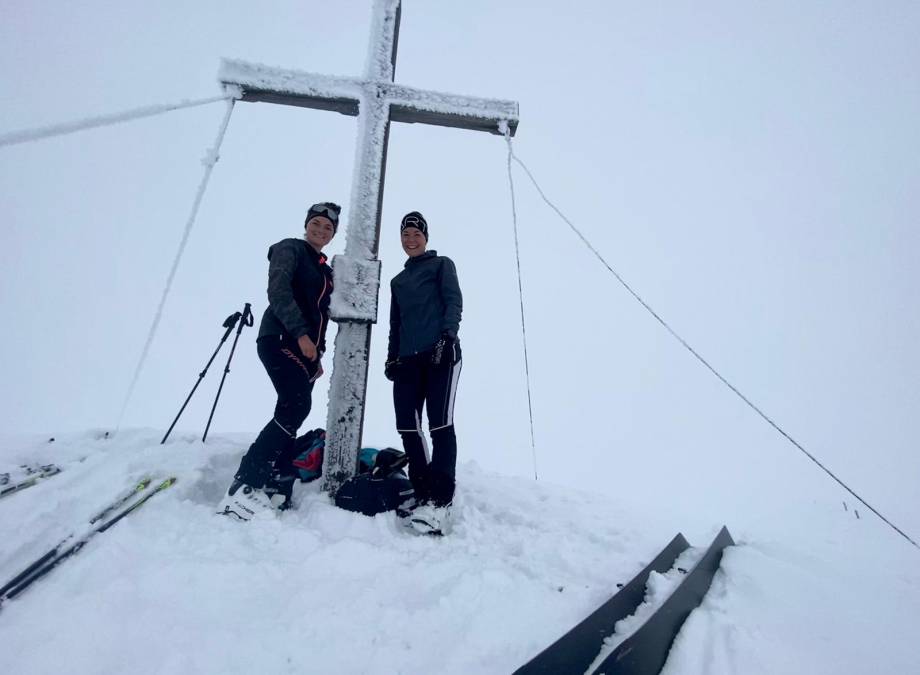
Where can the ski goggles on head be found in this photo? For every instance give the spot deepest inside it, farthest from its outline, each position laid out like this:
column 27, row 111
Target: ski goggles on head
column 324, row 210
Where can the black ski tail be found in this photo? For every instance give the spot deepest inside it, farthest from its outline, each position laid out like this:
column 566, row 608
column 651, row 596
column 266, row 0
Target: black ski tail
column 576, row 650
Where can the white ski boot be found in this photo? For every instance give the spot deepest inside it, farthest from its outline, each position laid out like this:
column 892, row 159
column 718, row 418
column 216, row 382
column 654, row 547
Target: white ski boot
column 245, row 502
column 426, row 519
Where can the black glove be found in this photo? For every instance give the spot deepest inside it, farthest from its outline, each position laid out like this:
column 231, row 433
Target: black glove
column 390, row 369
column 388, row 461
column 442, row 349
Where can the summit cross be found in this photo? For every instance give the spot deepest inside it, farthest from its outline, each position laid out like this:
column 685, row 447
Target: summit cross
column 376, row 100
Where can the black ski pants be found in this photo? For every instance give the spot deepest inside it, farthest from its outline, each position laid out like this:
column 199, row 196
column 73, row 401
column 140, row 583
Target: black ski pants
column 292, row 375
column 418, row 383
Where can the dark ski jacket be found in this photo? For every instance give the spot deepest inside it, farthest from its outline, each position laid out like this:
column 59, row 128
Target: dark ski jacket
column 299, row 286
column 425, row 303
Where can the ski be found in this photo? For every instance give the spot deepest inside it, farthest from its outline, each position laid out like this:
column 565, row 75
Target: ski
column 62, row 551
column 576, row 650
column 646, row 650
column 115, row 504
column 33, row 476
column 120, row 501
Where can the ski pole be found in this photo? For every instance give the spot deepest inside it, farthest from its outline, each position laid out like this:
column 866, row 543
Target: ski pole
column 247, row 321
column 229, row 324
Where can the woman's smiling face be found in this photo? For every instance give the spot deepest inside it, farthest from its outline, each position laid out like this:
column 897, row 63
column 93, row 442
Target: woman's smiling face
column 413, row 241
column 320, row 232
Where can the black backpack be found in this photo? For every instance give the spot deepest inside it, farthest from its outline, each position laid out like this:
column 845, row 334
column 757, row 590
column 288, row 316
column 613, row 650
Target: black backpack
column 379, row 486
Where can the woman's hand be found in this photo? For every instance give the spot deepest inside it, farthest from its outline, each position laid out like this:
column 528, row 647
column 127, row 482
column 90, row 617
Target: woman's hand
column 307, row 347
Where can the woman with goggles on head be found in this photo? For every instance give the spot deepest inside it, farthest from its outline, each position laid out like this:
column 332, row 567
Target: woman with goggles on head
column 291, row 342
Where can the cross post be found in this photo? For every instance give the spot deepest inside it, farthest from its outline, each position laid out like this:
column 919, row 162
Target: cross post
column 376, row 100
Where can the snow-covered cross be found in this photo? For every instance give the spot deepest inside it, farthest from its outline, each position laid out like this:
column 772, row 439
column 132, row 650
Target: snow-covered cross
column 376, row 100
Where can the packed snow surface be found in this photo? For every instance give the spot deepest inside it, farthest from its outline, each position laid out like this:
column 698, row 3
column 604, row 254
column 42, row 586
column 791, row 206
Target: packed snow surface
column 176, row 588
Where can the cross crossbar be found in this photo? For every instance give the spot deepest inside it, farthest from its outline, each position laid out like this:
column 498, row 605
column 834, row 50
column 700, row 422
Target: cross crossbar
column 343, row 95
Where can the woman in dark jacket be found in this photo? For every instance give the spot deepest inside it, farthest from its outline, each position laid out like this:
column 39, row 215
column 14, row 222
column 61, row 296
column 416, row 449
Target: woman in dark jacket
column 291, row 342
column 423, row 361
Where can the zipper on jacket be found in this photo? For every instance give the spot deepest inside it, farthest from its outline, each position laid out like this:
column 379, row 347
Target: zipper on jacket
column 319, row 300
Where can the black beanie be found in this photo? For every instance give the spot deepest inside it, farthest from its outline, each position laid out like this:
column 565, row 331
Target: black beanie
column 414, row 219
column 328, row 210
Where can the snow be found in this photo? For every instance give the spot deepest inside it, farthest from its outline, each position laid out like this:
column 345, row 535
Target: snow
column 24, row 136
column 366, row 183
column 658, row 589
column 358, row 299
column 177, row 588
column 345, row 411
column 247, row 75
column 256, row 76
column 381, row 37
column 453, row 104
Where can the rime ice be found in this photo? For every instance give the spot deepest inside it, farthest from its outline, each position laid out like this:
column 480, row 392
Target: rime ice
column 376, row 100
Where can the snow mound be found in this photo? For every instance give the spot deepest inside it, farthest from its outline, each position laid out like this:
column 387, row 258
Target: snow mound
column 175, row 588
column 317, row 589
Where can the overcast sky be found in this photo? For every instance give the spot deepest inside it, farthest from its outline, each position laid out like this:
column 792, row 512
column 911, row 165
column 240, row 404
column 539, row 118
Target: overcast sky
column 750, row 168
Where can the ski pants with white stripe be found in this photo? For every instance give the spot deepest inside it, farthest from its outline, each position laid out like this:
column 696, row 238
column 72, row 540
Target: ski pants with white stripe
column 418, row 383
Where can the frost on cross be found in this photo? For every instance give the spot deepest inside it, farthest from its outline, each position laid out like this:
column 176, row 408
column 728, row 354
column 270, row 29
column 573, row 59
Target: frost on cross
column 376, row 101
